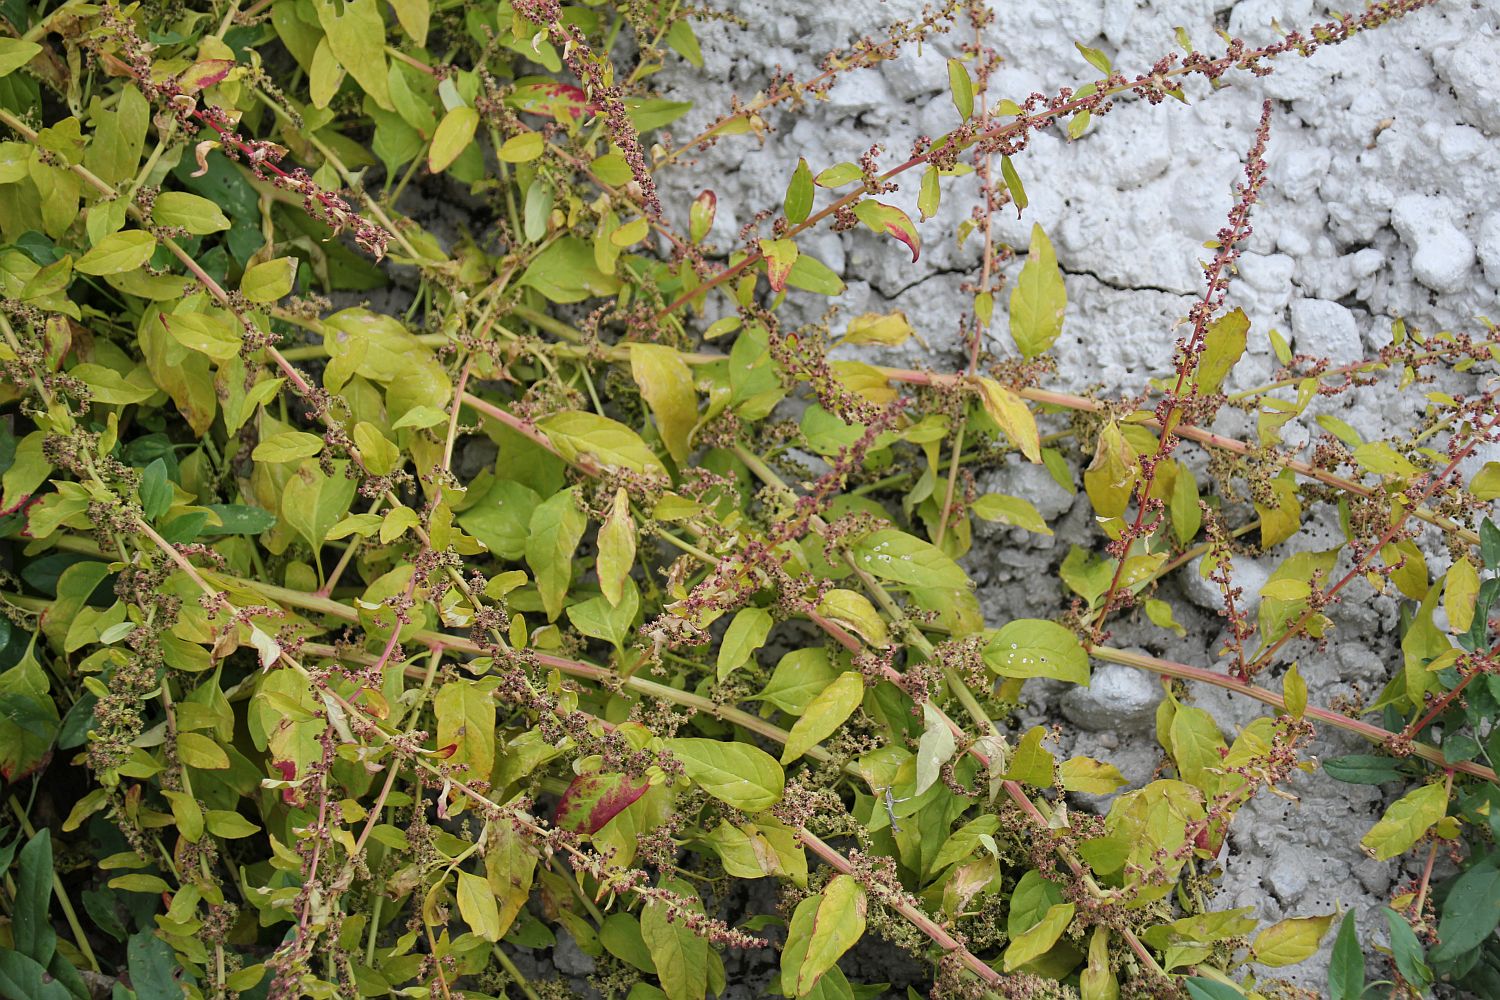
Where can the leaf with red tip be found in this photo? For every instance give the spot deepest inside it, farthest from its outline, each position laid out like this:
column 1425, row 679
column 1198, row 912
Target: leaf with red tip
column 780, row 256
column 890, row 220
column 594, row 799
column 203, row 74
column 701, row 215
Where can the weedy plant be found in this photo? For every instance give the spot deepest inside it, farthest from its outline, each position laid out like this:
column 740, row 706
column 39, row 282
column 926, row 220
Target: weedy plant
column 300, row 699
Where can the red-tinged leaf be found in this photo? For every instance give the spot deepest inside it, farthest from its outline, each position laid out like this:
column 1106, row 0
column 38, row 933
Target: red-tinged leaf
column 780, row 256
column 446, row 751
column 554, row 100
column 891, row 221
column 594, row 799
column 204, row 73
column 701, row 215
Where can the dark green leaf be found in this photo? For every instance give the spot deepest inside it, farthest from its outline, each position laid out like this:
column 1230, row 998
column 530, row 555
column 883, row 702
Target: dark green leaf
column 1407, row 950
column 1365, row 769
column 1346, row 969
column 152, row 967
column 33, row 927
column 1470, row 913
column 238, row 519
column 156, row 490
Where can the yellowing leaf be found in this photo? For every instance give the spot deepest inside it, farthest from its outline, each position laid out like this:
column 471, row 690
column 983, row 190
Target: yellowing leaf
column 454, row 134
column 118, row 252
column 780, row 255
column 1038, row 301
column 1110, row 478
column 839, row 922
column 744, row 776
column 1011, row 414
column 666, row 383
column 1085, row 774
column 575, row 433
column 1224, row 343
column 1037, row 941
column 854, row 611
column 269, row 280
column 1290, row 941
column 1460, row 591
column 616, row 548
column 824, row 714
column 888, row 329
column 192, row 212
column 476, row 903
column 1014, row 511
column 1406, row 821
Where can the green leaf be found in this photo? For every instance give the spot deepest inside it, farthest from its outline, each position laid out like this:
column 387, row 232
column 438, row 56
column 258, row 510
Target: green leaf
column 269, row 280
column 15, row 53
column 557, row 527
column 1405, row 822
column 1208, row 989
column 155, row 490
column 288, row 446
column 744, row 776
column 1013, row 183
column 118, row 252
column 935, row 748
column 565, row 272
column 1346, row 967
column 1031, row 647
column 152, row 967
column 825, row 714
column 839, row 174
column 355, row 30
column 312, row 502
column 838, row 923
column 523, row 148
column 476, row 903
column 746, row 633
column 192, row 212
column 1038, row 301
column 238, row 519
column 23, row 978
column 1013, row 511
column 1294, row 691
column 1365, row 769
column 1407, row 950
column 895, row 555
column 197, row 750
column 797, row 679
column 812, row 275
column 799, row 194
column 1037, row 941
column 962, row 88
column 680, row 956
column 930, row 198
column 32, row 927
column 502, row 518
column 29, row 719
column 1470, row 913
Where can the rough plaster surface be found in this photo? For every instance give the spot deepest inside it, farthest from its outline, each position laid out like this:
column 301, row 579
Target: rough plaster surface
column 1379, row 204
